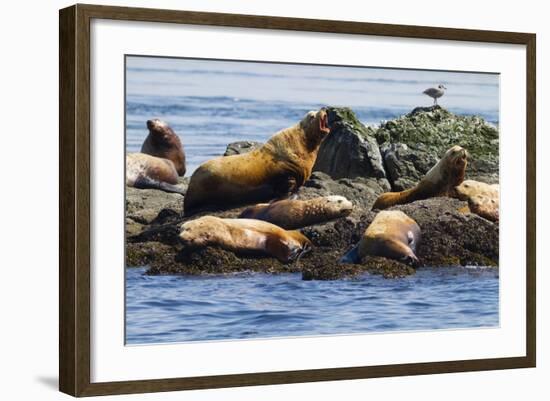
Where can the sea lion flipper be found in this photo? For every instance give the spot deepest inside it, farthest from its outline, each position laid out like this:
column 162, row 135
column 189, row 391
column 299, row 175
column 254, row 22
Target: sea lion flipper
column 351, row 256
column 144, row 182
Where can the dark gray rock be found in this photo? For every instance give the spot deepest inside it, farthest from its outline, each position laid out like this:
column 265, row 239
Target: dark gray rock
column 361, row 191
column 405, row 167
column 238, row 148
column 350, row 150
column 144, row 205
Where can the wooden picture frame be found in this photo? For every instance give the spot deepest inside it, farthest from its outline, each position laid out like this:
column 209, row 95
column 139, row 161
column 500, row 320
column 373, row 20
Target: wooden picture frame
column 75, row 207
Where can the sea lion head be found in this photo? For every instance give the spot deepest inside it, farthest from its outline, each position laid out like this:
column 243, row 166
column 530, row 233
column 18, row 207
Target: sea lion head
column 456, row 160
column 457, row 157
column 315, row 125
column 163, row 142
column 200, row 232
column 336, row 205
column 161, row 132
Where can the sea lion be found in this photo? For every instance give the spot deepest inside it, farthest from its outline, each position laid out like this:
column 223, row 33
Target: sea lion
column 146, row 171
column 245, row 235
column 483, row 199
column 392, row 234
column 293, row 213
column 163, row 142
column 275, row 170
column 439, row 181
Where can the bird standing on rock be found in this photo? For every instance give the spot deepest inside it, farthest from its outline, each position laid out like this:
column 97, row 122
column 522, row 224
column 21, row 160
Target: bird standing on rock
column 435, row 93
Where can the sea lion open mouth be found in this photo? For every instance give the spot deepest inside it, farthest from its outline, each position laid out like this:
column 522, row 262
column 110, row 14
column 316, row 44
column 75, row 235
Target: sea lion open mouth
column 323, row 123
column 462, row 158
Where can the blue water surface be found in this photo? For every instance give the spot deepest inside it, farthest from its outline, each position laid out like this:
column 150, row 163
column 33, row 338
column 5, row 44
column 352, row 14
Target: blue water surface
column 161, row 309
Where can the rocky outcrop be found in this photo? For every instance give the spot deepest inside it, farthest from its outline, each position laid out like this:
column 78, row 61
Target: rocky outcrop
column 411, row 144
column 449, row 236
column 144, row 205
column 350, row 150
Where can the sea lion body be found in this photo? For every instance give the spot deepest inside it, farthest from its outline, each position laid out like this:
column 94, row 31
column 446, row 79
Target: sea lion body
column 163, row 142
column 440, row 180
column 392, row 234
column 294, row 213
column 483, row 199
column 275, row 170
column 146, row 171
column 245, row 235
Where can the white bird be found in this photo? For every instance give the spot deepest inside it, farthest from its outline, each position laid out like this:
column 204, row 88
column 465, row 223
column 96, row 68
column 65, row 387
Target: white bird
column 435, row 93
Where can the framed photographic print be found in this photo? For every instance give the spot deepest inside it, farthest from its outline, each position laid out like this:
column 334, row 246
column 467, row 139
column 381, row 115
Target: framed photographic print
column 250, row 200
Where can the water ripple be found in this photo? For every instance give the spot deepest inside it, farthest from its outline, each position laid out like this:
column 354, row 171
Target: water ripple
column 251, row 305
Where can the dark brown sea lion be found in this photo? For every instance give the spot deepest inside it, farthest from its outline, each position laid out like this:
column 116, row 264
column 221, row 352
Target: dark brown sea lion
column 392, row 234
column 163, row 142
column 294, row 213
column 245, row 236
column 439, row 181
column 275, row 170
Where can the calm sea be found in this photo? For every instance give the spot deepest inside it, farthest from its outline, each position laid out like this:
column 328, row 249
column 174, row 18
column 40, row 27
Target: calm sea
column 212, row 103
column 163, row 309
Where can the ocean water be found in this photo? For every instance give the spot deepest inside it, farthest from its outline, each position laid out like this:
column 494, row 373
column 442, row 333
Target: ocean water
column 163, row 309
column 212, row 103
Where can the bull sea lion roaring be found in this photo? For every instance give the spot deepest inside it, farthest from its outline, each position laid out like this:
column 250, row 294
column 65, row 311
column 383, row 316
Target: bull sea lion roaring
column 439, row 181
column 293, row 213
column 275, row 170
column 163, row 142
column 392, row 234
column 146, row 171
column 245, row 235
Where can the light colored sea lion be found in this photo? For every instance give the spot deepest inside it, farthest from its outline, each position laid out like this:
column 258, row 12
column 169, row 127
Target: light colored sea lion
column 439, row 181
column 275, row 170
column 163, row 142
column 483, row 199
column 245, row 235
column 392, row 234
column 294, row 213
column 146, row 171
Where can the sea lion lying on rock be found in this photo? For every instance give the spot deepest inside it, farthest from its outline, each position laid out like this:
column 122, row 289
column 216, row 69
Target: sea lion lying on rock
column 146, row 171
column 245, row 236
column 439, row 181
column 163, row 142
column 483, row 199
column 275, row 170
column 294, row 213
column 392, row 234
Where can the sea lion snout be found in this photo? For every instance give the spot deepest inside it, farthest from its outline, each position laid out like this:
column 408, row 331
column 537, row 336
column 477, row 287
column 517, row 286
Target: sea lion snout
column 342, row 203
column 411, row 260
column 458, row 154
column 155, row 123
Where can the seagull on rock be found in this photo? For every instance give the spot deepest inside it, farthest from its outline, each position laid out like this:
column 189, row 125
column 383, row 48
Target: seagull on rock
column 435, row 93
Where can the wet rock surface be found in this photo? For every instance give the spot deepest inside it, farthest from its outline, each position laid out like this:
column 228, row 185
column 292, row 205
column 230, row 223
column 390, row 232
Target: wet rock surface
column 350, row 150
column 450, row 237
